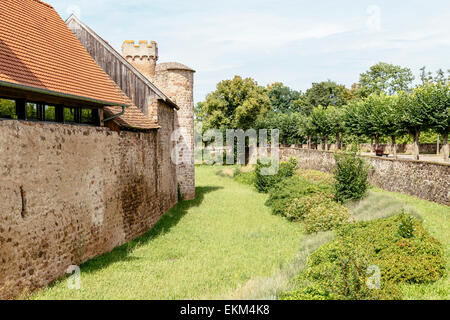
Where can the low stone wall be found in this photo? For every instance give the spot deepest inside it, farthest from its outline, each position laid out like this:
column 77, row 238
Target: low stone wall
column 426, row 180
column 71, row 193
column 406, row 148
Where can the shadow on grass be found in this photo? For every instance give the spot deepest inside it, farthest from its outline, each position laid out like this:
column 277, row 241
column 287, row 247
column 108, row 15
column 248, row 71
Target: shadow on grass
column 168, row 220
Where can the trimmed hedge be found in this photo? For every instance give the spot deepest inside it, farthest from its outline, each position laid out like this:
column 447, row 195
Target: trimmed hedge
column 284, row 193
column 263, row 183
column 351, row 177
column 325, row 215
column 339, row 269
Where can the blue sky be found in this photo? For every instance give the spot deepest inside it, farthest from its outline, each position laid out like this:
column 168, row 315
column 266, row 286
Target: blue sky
column 294, row 42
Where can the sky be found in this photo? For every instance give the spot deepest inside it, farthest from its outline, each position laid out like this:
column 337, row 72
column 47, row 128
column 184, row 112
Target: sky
column 291, row 41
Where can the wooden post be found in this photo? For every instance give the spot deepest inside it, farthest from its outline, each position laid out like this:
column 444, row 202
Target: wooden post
column 101, row 117
column 21, row 109
column 59, row 114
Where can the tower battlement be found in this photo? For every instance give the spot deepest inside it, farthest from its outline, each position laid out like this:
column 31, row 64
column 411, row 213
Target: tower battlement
column 141, row 50
column 177, row 82
column 142, row 55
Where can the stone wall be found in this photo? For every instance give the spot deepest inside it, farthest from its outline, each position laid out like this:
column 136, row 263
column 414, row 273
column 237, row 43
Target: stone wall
column 426, row 180
column 177, row 81
column 406, row 148
column 71, row 193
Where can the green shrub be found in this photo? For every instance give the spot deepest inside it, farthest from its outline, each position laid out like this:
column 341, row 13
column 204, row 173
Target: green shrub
column 339, row 269
column 406, row 226
column 297, row 208
column 281, row 195
column 325, row 215
column 350, row 176
column 315, row 176
column 247, row 177
column 263, row 183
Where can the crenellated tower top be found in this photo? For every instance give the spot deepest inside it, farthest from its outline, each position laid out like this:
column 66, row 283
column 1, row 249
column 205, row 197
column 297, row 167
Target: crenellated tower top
column 142, row 55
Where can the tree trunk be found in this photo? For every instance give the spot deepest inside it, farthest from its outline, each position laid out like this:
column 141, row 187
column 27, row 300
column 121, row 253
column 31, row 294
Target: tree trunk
column 437, row 145
column 394, row 147
column 445, row 146
column 342, row 142
column 377, row 140
column 416, row 145
column 337, row 141
column 309, row 142
column 326, row 144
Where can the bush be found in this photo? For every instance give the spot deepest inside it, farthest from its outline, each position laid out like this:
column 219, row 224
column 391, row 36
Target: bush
column 284, row 192
column 297, row 208
column 263, row 183
column 350, row 176
column 315, row 176
column 339, row 269
column 406, row 226
column 325, row 215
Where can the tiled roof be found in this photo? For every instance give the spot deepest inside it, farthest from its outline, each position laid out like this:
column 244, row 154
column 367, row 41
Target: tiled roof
column 133, row 116
column 38, row 50
column 74, row 22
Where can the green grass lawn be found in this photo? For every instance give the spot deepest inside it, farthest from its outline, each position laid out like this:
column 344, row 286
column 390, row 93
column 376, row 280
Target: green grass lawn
column 201, row 249
column 227, row 244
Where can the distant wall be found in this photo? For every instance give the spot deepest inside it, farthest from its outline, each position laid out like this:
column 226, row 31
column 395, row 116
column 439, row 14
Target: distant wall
column 426, row 180
column 71, row 193
column 427, row 148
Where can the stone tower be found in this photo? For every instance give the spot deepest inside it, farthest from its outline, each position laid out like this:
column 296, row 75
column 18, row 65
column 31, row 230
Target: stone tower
column 142, row 56
column 177, row 82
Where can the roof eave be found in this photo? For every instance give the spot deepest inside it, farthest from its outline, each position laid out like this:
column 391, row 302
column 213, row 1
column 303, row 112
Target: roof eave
column 59, row 94
column 161, row 94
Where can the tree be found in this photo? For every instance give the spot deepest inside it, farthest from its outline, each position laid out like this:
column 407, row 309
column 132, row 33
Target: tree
column 7, row 108
column 306, row 128
column 321, row 125
column 282, row 98
column 327, row 93
column 379, row 117
column 352, row 118
column 385, row 77
column 286, row 123
column 236, row 104
column 415, row 113
column 426, row 76
column 335, row 118
column 439, row 100
column 384, row 118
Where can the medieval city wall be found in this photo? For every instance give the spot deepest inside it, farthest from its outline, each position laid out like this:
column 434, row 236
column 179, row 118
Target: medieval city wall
column 178, row 83
column 426, row 180
column 70, row 193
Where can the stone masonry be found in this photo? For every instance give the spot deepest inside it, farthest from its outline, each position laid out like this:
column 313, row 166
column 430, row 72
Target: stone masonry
column 70, row 193
column 425, row 180
column 176, row 81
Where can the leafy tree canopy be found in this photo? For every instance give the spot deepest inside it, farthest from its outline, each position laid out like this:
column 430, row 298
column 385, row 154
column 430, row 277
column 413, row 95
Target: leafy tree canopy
column 283, row 99
column 236, row 104
column 385, row 77
column 327, row 93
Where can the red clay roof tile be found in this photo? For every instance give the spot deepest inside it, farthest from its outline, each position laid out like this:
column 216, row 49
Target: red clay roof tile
column 37, row 49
